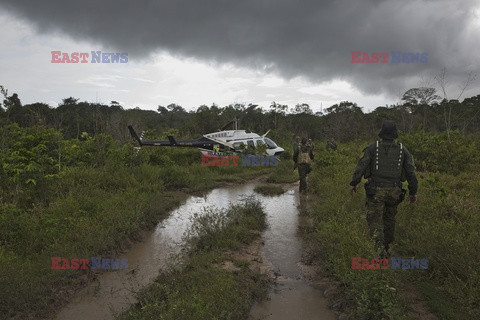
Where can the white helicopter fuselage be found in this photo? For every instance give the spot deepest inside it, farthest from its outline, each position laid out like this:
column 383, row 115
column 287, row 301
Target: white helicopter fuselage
column 237, row 140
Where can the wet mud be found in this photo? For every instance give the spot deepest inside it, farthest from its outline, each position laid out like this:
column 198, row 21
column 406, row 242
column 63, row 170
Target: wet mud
column 292, row 297
column 114, row 291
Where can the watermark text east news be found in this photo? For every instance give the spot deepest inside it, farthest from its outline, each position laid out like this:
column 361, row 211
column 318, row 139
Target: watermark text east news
column 248, row 160
column 397, row 263
column 96, row 263
column 83, row 57
column 382, row 57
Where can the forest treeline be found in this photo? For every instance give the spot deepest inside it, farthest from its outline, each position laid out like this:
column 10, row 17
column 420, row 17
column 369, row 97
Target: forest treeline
column 421, row 110
column 73, row 185
column 37, row 141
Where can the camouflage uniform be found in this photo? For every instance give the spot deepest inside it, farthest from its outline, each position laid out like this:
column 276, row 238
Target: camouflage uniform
column 303, row 157
column 296, row 144
column 385, row 164
column 311, row 144
column 331, row 144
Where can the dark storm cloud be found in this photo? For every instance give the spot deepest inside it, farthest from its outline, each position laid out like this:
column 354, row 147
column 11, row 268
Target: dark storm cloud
column 291, row 38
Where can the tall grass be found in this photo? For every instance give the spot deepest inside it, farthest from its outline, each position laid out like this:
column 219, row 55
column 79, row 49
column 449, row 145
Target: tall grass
column 269, row 189
column 92, row 211
column 202, row 288
column 442, row 227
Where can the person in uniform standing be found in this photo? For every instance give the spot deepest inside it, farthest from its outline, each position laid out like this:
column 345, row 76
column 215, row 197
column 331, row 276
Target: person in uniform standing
column 296, row 143
column 331, row 145
column 303, row 157
column 386, row 164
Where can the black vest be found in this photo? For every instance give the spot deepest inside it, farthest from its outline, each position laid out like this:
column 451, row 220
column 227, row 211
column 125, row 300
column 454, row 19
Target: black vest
column 387, row 162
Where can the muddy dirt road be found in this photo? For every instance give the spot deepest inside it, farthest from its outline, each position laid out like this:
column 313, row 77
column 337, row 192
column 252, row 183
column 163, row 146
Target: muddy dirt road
column 291, row 297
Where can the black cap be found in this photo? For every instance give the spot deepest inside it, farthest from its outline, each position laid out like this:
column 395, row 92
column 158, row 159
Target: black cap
column 389, row 130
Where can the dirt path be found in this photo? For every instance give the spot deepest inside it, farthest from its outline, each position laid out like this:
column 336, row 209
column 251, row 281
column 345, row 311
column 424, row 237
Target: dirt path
column 277, row 253
column 114, row 291
column 293, row 296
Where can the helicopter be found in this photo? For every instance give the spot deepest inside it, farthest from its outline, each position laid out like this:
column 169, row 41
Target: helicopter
column 217, row 143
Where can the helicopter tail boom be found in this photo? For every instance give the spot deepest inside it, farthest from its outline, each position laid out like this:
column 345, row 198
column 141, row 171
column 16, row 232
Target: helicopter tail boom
column 134, row 135
column 172, row 140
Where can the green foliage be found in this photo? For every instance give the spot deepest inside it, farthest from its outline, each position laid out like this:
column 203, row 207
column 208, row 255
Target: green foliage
column 442, row 227
column 82, row 195
column 89, row 195
column 345, row 121
column 29, row 162
column 90, row 151
column 220, row 229
column 283, row 173
column 420, row 96
column 200, row 292
column 440, row 303
column 93, row 211
column 166, row 157
column 436, row 152
column 269, row 189
column 202, row 289
column 340, row 221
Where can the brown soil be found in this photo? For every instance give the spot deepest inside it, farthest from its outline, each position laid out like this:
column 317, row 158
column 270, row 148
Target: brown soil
column 252, row 253
column 416, row 306
column 67, row 290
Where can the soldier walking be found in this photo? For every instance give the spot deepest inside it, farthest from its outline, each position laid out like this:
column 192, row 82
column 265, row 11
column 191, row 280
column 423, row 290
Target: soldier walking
column 303, row 157
column 296, row 144
column 331, row 145
column 385, row 164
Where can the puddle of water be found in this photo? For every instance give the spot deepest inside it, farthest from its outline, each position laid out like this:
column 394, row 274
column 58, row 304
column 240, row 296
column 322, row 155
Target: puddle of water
column 114, row 291
column 292, row 297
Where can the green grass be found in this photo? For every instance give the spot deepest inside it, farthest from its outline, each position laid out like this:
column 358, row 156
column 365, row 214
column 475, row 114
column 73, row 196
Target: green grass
column 202, row 289
column 442, row 227
column 283, row 173
column 440, row 303
column 97, row 211
column 91, row 212
column 269, row 189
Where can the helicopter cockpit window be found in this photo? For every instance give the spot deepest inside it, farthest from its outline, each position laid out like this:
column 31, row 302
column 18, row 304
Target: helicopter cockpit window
column 250, row 143
column 270, row 143
column 260, row 143
column 239, row 145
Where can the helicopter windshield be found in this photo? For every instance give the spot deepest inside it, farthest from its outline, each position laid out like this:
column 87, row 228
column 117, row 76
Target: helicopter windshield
column 270, row 143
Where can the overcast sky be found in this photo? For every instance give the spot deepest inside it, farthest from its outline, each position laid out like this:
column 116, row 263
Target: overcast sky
column 251, row 51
